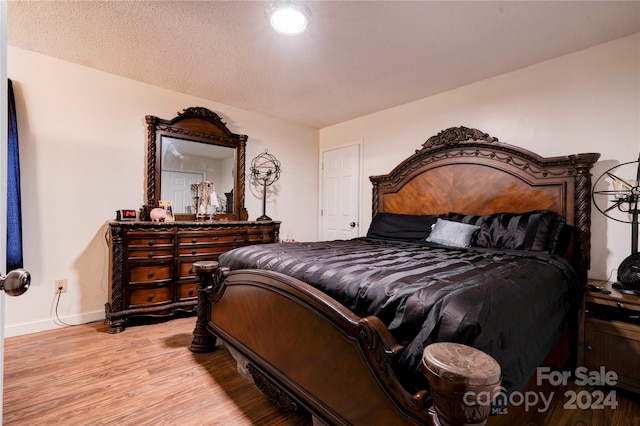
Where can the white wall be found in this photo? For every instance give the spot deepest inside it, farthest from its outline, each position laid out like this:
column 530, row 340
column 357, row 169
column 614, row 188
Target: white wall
column 588, row 101
column 83, row 141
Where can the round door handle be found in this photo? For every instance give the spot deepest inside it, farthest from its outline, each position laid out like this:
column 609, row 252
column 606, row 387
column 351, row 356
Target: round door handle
column 589, row 347
column 352, row 224
column 16, row 282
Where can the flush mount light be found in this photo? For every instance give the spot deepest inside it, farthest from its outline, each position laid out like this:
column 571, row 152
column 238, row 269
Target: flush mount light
column 288, row 17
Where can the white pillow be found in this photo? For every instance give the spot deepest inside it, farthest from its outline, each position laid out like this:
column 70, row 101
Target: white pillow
column 453, row 234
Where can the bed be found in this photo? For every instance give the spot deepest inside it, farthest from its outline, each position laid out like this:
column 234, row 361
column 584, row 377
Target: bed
column 472, row 241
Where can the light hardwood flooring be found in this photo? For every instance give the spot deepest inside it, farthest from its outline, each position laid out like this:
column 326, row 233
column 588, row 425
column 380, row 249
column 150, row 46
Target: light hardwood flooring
column 146, row 375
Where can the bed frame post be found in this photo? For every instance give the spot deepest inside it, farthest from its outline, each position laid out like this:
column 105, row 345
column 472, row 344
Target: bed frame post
column 202, row 340
column 583, row 163
column 464, row 382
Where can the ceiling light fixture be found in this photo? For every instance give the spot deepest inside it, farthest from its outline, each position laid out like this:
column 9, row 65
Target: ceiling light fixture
column 288, row 17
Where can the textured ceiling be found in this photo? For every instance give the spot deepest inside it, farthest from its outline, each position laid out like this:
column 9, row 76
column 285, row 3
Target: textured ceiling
column 356, row 57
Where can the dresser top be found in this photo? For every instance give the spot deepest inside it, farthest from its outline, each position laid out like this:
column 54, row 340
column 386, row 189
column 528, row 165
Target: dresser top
column 192, row 223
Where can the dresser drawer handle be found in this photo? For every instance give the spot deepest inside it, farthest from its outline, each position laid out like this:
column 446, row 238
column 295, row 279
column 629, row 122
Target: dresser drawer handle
column 194, row 240
column 151, row 274
column 152, row 242
column 191, row 271
column 151, row 296
column 620, row 305
column 193, row 251
column 589, row 347
column 215, row 238
column 262, row 236
column 235, row 239
column 191, row 291
column 151, row 254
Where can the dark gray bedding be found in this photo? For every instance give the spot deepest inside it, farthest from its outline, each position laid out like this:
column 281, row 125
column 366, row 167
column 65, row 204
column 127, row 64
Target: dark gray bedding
column 513, row 305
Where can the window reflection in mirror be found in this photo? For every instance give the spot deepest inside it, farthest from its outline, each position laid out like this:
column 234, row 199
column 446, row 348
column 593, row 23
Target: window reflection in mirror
column 186, row 162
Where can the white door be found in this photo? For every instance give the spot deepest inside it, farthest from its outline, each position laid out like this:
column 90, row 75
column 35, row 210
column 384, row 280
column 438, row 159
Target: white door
column 340, row 210
column 176, row 186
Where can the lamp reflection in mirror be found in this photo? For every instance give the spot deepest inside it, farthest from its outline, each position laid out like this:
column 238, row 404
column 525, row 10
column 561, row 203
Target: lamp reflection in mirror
column 204, row 200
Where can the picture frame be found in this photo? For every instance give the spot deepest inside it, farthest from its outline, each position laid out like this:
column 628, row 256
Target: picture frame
column 168, row 207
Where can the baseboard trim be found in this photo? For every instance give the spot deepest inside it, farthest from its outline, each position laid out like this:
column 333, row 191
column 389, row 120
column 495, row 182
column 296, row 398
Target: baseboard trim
column 12, row 330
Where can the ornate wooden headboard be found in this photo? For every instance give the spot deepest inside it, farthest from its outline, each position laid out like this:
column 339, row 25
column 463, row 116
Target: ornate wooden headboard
column 468, row 171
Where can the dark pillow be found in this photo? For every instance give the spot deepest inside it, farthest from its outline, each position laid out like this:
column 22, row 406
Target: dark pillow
column 465, row 218
column 537, row 230
column 401, row 227
column 453, row 234
column 560, row 238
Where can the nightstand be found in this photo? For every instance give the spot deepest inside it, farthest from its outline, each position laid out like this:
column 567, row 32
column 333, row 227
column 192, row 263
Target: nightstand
column 611, row 330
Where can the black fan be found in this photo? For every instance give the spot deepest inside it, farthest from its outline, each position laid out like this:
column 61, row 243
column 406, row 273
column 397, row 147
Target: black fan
column 629, row 273
column 617, row 198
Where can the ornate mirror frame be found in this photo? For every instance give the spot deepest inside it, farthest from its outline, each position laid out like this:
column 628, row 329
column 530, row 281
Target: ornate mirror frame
column 196, row 124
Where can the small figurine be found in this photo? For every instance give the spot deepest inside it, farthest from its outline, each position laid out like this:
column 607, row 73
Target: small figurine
column 158, row 214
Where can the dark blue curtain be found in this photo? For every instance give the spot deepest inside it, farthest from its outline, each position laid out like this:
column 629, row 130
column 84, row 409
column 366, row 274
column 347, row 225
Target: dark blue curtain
column 14, row 212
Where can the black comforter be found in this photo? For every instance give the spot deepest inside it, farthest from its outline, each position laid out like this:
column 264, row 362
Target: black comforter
column 512, row 305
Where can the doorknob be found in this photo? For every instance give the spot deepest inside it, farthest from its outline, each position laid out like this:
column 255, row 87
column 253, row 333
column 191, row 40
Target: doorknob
column 16, row 282
column 352, row 224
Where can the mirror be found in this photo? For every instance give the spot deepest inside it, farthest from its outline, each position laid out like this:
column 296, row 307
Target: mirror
column 186, row 163
column 194, row 147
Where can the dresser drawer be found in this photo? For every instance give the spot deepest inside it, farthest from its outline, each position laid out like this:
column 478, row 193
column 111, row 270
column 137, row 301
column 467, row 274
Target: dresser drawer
column 261, row 234
column 149, row 273
column 185, row 264
column 151, row 253
column 210, row 250
column 187, row 290
column 263, row 237
column 150, row 241
column 209, row 238
column 186, row 269
column 150, row 296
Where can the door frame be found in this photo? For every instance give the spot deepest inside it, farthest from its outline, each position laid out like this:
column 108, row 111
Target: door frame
column 360, row 143
column 4, row 129
column 199, row 172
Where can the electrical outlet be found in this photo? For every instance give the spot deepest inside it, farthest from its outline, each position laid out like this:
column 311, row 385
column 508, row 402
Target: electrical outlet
column 60, row 286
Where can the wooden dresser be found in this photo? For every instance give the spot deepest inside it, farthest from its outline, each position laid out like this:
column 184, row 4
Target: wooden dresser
column 151, row 263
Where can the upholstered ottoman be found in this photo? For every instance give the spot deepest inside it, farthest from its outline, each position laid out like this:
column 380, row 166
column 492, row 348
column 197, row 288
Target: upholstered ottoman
column 463, row 382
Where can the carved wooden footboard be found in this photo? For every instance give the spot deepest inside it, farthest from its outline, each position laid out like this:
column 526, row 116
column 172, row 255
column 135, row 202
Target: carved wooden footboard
column 304, row 349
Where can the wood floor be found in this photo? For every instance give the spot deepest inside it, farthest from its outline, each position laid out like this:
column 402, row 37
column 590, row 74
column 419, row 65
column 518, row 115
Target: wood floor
column 146, row 375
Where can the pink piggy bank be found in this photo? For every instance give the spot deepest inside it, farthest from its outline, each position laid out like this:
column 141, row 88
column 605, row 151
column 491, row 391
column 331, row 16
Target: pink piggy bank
column 158, row 215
